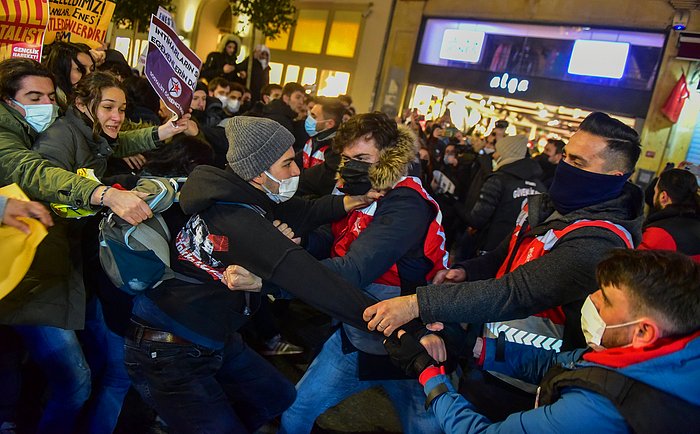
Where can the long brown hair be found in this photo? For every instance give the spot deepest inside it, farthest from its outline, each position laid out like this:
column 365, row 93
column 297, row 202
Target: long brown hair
column 88, row 91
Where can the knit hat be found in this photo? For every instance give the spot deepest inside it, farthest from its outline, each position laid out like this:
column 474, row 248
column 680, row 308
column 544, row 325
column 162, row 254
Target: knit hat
column 511, row 149
column 254, row 144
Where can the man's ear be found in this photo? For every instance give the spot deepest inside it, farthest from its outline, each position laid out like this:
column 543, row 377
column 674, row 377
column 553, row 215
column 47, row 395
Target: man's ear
column 646, row 332
column 285, row 98
column 260, row 179
column 331, row 123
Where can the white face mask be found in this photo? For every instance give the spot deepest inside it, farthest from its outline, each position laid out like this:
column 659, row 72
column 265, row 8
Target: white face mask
column 593, row 326
column 287, row 188
column 233, row 105
column 263, row 63
column 223, row 99
column 39, row 116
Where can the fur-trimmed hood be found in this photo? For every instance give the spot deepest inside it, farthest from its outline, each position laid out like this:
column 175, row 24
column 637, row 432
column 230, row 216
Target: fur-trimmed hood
column 225, row 40
column 393, row 161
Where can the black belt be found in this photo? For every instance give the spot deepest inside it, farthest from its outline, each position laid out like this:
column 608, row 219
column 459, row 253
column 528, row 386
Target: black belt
column 138, row 332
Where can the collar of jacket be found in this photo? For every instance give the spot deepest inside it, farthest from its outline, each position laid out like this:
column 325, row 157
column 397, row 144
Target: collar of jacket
column 8, row 114
column 393, row 161
column 670, row 212
column 98, row 145
column 625, row 210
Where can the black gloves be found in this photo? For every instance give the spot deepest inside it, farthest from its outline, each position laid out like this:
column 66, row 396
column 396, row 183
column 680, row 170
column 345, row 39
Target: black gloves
column 408, row 354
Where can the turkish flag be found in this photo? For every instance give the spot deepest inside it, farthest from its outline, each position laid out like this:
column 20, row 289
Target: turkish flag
column 676, row 100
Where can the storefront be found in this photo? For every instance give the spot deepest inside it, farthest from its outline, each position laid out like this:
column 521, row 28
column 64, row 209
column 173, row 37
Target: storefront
column 544, row 79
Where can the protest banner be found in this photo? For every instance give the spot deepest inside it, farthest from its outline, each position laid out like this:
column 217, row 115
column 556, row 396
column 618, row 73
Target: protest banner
column 79, row 21
column 22, row 28
column 171, row 67
column 168, row 19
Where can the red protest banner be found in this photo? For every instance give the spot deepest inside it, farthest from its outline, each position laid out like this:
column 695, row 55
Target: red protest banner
column 22, row 28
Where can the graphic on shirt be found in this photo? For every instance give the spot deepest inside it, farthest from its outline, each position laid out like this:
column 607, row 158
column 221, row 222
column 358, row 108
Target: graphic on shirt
column 195, row 245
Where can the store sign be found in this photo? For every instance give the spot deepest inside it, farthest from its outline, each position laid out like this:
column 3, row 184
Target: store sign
column 512, row 84
column 463, row 45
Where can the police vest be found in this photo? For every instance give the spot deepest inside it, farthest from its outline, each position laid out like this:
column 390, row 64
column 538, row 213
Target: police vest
column 545, row 329
column 346, row 230
column 311, row 158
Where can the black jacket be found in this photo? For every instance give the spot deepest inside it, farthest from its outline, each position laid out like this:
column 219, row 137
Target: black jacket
column 320, row 180
column 562, row 277
column 279, row 111
column 244, row 236
column 500, row 200
column 214, row 67
column 680, row 224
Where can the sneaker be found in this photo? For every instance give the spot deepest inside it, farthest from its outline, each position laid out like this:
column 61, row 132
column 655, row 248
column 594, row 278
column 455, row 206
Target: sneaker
column 279, row 347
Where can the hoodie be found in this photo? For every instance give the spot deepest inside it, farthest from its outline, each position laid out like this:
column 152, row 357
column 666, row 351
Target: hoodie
column 214, row 64
column 499, row 202
column 231, row 223
column 562, row 277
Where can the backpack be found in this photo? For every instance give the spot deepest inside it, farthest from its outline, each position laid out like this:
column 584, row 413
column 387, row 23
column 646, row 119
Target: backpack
column 137, row 258
column 646, row 410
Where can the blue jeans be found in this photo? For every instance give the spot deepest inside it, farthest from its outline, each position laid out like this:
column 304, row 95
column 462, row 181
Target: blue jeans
column 58, row 354
column 104, row 351
column 332, row 377
column 198, row 390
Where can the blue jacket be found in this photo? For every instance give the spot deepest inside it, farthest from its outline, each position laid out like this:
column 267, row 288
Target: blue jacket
column 578, row 410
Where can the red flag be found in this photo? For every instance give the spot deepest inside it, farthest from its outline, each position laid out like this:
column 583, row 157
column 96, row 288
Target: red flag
column 676, row 100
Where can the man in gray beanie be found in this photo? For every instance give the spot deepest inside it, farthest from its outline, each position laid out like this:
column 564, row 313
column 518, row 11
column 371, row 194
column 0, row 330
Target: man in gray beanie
column 515, row 177
column 183, row 351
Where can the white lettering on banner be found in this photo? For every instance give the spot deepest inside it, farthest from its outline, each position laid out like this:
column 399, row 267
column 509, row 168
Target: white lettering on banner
column 181, row 65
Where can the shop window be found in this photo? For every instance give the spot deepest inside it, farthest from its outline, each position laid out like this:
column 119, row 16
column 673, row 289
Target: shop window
column 276, row 72
column 343, row 35
column 122, row 45
column 280, row 43
column 310, row 30
column 333, row 83
column 308, row 77
column 292, row 73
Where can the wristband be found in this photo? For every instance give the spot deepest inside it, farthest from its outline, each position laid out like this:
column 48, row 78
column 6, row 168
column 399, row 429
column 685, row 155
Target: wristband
column 430, row 372
column 434, row 393
column 102, row 196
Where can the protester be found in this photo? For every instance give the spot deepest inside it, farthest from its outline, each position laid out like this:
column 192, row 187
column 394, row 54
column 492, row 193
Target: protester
column 222, row 63
column 227, row 387
column 260, row 72
column 643, row 325
column 545, row 270
column 513, row 179
column 387, row 248
column 551, row 156
column 69, row 63
column 288, row 110
column 674, row 221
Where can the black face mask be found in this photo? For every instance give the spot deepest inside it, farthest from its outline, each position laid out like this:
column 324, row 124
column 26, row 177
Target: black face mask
column 355, row 175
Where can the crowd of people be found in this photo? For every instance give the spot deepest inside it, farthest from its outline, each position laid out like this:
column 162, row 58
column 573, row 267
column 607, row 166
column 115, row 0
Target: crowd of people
column 483, row 284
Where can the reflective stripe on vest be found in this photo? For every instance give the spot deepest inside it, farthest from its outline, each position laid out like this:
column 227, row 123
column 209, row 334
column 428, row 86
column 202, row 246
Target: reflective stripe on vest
column 541, row 328
column 310, row 160
column 346, row 230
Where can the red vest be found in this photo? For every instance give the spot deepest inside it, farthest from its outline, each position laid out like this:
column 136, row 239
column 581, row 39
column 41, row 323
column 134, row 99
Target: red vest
column 346, row 230
column 545, row 329
column 311, row 160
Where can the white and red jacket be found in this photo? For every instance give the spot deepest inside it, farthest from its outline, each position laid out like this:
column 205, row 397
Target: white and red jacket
column 346, row 230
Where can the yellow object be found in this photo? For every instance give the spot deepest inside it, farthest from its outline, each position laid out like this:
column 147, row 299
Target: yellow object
column 70, row 212
column 17, row 248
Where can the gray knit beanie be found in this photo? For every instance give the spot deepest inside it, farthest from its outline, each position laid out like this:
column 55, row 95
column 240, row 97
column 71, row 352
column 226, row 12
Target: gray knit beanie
column 254, row 144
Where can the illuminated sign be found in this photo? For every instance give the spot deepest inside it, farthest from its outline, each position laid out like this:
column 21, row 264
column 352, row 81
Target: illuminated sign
column 599, row 58
column 462, row 45
column 512, row 84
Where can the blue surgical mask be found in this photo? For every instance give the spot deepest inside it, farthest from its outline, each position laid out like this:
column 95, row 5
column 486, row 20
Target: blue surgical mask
column 310, row 126
column 39, row 116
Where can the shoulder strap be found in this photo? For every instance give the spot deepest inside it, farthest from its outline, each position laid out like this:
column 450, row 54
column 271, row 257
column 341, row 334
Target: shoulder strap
column 646, row 409
column 151, row 239
column 618, row 230
column 255, row 208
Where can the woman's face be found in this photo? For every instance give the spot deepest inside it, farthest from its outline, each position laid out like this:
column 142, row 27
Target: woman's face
column 231, row 48
column 86, row 62
column 110, row 111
